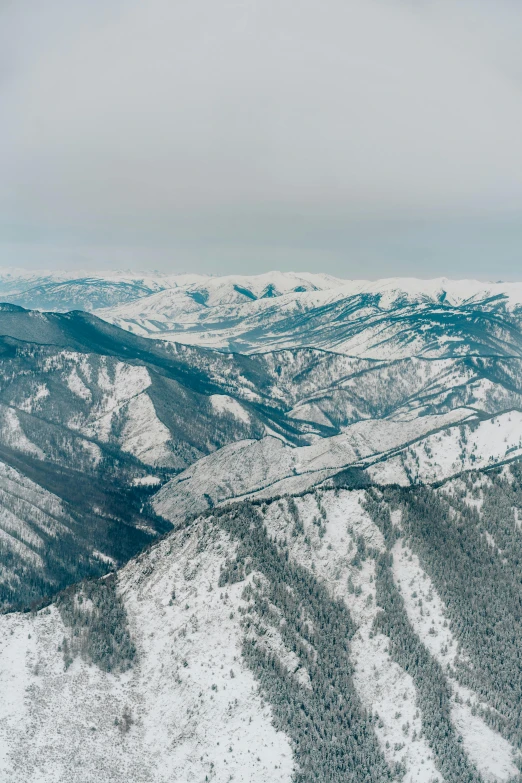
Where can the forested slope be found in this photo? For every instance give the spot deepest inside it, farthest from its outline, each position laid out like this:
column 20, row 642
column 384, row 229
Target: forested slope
column 292, row 564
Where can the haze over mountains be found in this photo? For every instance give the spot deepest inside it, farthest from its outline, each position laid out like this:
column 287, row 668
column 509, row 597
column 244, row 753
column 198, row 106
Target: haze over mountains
column 296, row 501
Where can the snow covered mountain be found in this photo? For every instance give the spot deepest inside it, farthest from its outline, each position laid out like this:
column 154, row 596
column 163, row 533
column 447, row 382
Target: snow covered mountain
column 323, row 636
column 63, row 291
column 97, row 418
column 295, row 558
column 386, row 319
column 77, row 290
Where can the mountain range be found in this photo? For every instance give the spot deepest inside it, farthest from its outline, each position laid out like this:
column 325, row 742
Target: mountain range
column 260, row 528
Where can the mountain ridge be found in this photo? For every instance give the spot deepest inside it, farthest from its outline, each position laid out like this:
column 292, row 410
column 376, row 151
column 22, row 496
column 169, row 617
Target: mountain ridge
column 291, row 564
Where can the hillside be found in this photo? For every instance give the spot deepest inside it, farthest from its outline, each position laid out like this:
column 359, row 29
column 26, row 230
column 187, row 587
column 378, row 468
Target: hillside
column 322, row 637
column 297, row 563
column 99, row 418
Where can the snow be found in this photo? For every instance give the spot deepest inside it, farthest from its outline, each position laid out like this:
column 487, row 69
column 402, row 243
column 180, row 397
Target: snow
column 491, row 753
column 224, row 404
column 77, row 386
column 122, row 411
column 383, row 687
column 21, row 488
column 58, row 726
column 452, row 451
column 227, row 312
column 236, row 312
column 16, row 526
column 29, row 515
column 218, row 291
column 269, row 466
column 104, row 400
column 181, row 693
column 146, row 481
column 16, row 652
column 456, row 292
column 22, row 279
column 12, row 434
column 310, row 412
column 92, row 450
column 41, row 392
column 228, row 472
column 389, row 692
column 104, row 558
column 143, row 434
column 9, row 539
column 118, row 383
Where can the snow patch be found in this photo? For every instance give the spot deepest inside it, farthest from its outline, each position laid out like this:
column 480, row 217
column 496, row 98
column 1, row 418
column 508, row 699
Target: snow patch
column 78, row 387
column 146, row 481
column 143, row 434
column 223, row 404
column 12, row 434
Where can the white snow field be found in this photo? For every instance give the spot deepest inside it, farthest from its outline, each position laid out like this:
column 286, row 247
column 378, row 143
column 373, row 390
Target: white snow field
column 195, row 709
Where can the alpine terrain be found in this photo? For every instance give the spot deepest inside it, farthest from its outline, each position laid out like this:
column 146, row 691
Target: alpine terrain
column 261, row 529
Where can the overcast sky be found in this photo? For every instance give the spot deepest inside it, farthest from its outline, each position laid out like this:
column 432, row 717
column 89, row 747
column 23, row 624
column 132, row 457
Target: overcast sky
column 359, row 137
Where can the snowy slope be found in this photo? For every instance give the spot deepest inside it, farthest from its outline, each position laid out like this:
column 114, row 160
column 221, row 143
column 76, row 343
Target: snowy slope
column 427, row 450
column 447, row 453
column 381, row 684
column 195, row 706
column 83, row 290
column 190, row 716
column 62, row 291
column 492, row 754
column 41, row 548
column 84, row 400
column 269, row 467
column 385, row 319
column 343, row 577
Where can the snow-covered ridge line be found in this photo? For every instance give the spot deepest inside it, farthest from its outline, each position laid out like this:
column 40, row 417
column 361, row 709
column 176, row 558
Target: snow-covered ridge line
column 382, row 319
column 222, row 290
column 62, row 291
column 389, row 452
column 269, row 465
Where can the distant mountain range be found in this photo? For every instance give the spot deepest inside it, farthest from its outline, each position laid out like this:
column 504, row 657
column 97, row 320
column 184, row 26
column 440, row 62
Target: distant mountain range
column 385, row 319
column 380, row 320
column 63, row 291
column 260, row 528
